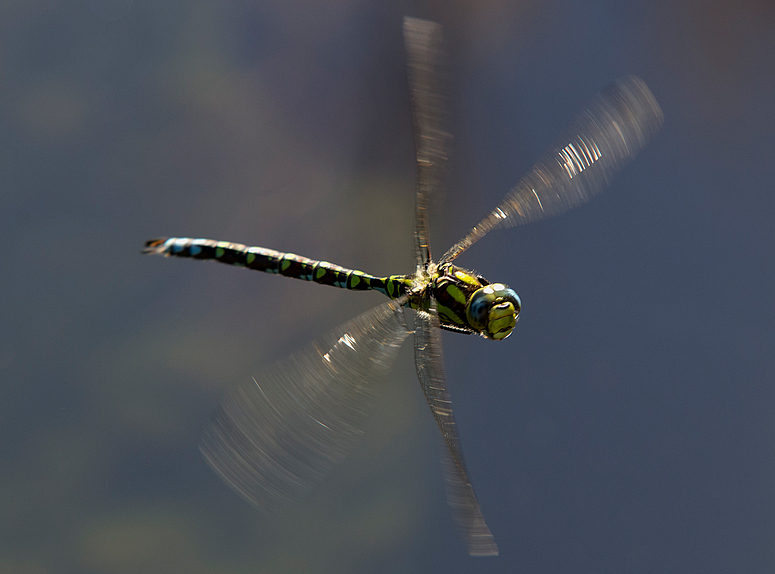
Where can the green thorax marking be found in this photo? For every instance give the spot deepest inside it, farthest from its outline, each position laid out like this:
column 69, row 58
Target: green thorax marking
column 451, row 287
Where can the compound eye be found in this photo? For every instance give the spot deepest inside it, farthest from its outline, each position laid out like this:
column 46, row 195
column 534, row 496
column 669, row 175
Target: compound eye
column 509, row 295
column 493, row 310
column 479, row 308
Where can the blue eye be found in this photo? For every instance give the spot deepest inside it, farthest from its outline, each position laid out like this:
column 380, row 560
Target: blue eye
column 478, row 308
column 511, row 296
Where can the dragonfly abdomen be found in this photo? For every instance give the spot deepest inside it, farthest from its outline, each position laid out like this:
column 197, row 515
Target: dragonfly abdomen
column 277, row 262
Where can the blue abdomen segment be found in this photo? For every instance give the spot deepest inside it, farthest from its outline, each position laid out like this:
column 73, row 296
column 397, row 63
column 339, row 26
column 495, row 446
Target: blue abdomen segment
column 271, row 261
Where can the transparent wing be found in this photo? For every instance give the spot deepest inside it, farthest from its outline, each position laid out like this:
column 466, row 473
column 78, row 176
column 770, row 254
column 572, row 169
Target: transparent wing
column 602, row 139
column 460, row 494
column 426, row 62
column 276, row 437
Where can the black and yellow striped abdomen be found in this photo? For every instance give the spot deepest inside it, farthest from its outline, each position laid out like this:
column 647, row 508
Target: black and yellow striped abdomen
column 271, row 261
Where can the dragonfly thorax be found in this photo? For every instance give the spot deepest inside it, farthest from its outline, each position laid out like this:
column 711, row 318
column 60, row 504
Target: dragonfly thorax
column 466, row 301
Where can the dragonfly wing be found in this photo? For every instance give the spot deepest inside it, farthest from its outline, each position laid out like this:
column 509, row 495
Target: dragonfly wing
column 426, row 63
column 460, row 494
column 602, row 139
column 273, row 439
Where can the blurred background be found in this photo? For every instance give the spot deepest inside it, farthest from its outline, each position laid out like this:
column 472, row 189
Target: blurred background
column 627, row 426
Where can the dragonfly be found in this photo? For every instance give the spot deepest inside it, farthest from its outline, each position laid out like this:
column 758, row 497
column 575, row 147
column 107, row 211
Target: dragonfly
column 276, row 436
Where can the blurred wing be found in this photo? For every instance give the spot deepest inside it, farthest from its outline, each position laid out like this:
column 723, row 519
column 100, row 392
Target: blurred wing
column 276, row 437
column 602, row 139
column 460, row 494
column 425, row 70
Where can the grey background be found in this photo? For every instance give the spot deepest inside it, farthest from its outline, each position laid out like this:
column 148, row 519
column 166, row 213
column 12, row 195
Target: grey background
column 625, row 427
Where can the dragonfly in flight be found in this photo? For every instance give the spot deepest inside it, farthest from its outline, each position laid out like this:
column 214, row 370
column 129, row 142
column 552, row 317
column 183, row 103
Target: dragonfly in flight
column 276, row 436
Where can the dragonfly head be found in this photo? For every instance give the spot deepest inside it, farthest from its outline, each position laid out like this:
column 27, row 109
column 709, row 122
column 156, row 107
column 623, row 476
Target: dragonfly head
column 493, row 310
